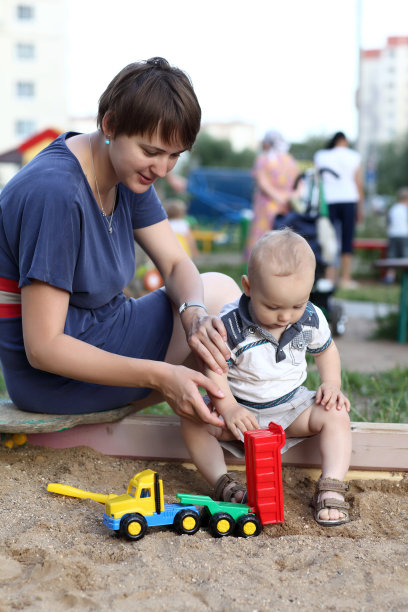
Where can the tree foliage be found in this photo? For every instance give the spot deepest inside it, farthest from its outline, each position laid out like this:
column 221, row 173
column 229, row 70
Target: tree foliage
column 392, row 167
column 304, row 151
column 209, row 151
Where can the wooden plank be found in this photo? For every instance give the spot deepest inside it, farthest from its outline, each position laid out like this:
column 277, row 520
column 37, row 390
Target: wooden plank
column 14, row 420
column 376, row 446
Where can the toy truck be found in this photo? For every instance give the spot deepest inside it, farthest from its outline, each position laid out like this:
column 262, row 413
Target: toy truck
column 142, row 506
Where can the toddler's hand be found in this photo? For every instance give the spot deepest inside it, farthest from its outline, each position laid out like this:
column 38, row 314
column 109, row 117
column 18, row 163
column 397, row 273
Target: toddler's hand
column 238, row 420
column 330, row 396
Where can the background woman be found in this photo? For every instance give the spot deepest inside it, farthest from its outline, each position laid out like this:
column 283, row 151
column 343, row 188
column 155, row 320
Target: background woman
column 275, row 172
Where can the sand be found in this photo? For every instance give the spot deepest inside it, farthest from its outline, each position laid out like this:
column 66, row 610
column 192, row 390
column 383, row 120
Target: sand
column 56, row 555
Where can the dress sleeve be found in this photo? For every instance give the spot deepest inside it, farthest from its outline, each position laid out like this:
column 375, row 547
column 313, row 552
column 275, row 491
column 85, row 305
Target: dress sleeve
column 49, row 239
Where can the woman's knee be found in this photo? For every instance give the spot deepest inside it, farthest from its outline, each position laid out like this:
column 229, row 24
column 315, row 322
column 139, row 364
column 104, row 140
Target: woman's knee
column 219, row 289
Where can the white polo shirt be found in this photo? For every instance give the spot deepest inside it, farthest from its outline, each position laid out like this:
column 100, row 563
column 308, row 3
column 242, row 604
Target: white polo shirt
column 263, row 369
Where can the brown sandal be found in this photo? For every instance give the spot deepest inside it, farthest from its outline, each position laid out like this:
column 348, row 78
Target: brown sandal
column 338, row 486
column 226, row 488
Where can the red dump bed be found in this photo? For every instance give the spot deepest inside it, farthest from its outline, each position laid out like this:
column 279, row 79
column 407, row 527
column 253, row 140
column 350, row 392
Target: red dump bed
column 264, row 472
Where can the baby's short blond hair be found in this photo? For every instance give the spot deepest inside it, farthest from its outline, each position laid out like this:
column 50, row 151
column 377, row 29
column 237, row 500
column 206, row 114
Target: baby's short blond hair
column 285, row 252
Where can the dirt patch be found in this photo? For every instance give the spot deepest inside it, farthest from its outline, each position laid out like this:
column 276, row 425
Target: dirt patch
column 56, row 554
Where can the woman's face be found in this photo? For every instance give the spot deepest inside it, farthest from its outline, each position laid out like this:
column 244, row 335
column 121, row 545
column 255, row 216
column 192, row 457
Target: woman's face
column 139, row 160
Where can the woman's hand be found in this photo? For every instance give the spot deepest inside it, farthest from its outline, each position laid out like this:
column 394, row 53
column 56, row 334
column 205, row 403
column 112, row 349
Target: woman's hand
column 206, row 336
column 179, row 386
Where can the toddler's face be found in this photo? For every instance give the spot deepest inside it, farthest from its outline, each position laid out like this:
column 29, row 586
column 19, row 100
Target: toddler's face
column 278, row 301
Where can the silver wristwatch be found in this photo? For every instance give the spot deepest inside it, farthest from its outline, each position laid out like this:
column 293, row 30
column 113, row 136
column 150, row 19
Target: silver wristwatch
column 186, row 305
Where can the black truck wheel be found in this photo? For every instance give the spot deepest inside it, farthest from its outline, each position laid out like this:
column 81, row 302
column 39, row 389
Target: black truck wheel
column 133, row 526
column 248, row 526
column 186, row 521
column 221, row 524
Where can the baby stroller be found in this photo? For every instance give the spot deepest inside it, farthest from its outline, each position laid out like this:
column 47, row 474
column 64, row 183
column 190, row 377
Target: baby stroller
column 309, row 218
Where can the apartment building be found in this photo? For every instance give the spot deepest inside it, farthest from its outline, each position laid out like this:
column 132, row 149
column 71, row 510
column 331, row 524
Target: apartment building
column 33, row 75
column 383, row 96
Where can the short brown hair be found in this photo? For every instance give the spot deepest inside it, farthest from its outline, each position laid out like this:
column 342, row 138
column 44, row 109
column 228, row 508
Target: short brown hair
column 148, row 95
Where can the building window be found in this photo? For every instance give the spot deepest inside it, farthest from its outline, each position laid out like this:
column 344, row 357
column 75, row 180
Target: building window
column 25, row 51
column 24, row 127
column 25, row 12
column 25, row 89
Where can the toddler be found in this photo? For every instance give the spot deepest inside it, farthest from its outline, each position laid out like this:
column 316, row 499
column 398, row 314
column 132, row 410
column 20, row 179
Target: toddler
column 270, row 329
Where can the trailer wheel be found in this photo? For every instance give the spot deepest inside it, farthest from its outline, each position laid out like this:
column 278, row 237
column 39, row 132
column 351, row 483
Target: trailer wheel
column 133, row 526
column 221, row 524
column 186, row 521
column 248, row 526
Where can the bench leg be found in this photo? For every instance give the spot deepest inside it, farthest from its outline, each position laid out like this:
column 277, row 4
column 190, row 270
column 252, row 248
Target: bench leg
column 403, row 319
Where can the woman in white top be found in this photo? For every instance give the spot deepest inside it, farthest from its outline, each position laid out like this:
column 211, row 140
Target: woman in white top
column 345, row 197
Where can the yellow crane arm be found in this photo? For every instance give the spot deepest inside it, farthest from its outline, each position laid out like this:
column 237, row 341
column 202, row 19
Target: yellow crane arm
column 55, row 487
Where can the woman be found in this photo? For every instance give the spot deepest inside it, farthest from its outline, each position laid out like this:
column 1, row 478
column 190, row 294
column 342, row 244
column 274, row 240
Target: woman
column 344, row 194
column 275, row 172
column 70, row 342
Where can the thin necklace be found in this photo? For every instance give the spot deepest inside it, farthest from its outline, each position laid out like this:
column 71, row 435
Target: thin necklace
column 108, row 221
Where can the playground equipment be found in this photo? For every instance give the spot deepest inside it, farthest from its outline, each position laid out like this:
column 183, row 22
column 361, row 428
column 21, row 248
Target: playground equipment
column 220, row 195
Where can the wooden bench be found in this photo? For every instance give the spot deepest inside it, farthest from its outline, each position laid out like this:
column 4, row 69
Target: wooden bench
column 14, row 420
column 399, row 264
column 372, row 244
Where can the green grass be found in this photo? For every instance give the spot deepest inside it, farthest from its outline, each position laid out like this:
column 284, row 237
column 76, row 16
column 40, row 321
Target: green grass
column 371, row 292
column 379, row 398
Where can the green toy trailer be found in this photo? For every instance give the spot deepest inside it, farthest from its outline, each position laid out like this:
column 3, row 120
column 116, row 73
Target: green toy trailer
column 224, row 518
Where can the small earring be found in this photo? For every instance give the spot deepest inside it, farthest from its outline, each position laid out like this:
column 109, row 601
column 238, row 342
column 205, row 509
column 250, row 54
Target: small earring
column 107, row 140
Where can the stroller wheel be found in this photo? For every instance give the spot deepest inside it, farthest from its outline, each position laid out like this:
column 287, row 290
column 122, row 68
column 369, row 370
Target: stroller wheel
column 337, row 320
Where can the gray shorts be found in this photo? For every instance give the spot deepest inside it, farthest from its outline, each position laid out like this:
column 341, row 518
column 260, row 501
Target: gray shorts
column 282, row 414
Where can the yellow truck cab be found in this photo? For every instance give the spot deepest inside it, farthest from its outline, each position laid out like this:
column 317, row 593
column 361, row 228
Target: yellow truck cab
column 143, row 506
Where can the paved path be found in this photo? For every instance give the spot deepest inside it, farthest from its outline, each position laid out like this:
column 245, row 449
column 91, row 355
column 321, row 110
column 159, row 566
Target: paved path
column 361, row 354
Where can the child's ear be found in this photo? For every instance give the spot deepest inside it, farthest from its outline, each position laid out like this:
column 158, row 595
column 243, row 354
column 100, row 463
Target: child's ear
column 245, row 285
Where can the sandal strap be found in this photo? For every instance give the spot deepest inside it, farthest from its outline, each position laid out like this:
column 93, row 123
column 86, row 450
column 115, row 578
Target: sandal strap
column 331, row 502
column 226, row 487
column 331, row 484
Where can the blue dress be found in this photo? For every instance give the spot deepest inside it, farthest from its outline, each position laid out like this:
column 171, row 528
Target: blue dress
column 52, row 230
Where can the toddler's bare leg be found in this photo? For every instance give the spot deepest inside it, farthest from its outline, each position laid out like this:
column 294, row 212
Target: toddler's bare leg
column 205, row 451
column 334, row 444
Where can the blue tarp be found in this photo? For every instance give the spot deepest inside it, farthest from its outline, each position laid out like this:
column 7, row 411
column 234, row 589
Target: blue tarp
column 220, row 195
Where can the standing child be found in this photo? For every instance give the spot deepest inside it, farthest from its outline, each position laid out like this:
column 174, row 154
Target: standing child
column 176, row 212
column 270, row 328
column 397, row 229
